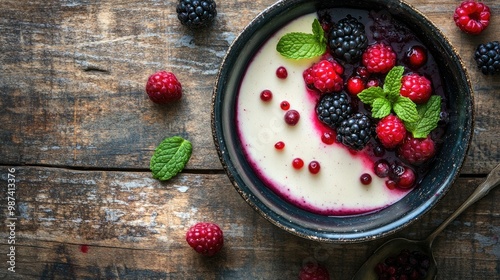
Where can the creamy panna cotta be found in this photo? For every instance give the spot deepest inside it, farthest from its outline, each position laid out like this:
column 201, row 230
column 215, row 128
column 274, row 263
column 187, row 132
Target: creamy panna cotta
column 294, row 153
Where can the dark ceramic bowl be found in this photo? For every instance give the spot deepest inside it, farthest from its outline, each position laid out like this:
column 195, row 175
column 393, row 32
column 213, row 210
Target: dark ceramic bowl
column 356, row 228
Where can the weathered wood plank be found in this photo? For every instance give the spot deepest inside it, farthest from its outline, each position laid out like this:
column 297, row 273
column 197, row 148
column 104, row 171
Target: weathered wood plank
column 73, row 76
column 134, row 227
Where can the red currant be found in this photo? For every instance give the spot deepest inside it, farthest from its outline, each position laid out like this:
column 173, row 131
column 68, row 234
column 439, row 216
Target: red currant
column 281, row 72
column 391, row 184
column 297, row 163
column 266, row 95
column 365, row 179
column 416, row 56
column 285, row 105
column 279, row 145
column 382, row 168
column 328, row 138
column 407, row 179
column 355, row 85
column 314, row 167
column 292, row 117
column 372, row 83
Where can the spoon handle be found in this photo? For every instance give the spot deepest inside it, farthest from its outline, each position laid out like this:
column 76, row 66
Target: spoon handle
column 492, row 180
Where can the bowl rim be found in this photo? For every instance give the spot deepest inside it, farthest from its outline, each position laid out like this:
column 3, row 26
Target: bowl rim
column 317, row 234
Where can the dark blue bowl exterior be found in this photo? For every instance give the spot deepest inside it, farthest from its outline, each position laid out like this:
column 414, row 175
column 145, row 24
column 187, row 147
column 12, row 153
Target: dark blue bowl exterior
column 341, row 228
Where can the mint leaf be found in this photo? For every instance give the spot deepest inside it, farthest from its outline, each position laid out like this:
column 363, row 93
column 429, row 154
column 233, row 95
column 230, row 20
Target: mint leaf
column 406, row 109
column 369, row 95
column 381, row 107
column 296, row 45
column 388, row 98
column 428, row 117
column 318, row 31
column 170, row 157
column 392, row 82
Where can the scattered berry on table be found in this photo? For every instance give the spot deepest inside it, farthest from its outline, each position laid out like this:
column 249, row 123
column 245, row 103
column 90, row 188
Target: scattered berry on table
column 324, row 76
column 333, row 108
column 205, row 238
column 196, row 14
column 163, row 87
column 417, row 150
column 390, row 131
column 281, row 72
column 347, row 39
column 472, row 17
column 487, row 57
column 355, row 132
column 379, row 58
column 416, row 56
column 292, row 117
column 355, row 85
column 313, row 271
column 416, row 87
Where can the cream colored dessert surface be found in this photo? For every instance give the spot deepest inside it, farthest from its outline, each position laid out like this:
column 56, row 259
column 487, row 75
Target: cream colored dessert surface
column 261, row 124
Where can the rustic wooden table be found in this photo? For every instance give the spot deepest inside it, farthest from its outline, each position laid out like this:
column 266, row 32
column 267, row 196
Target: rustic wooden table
column 77, row 131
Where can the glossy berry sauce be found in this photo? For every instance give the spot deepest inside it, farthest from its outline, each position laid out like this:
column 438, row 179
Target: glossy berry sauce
column 382, row 27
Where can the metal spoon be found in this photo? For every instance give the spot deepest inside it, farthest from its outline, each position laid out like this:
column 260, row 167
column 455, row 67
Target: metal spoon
column 394, row 246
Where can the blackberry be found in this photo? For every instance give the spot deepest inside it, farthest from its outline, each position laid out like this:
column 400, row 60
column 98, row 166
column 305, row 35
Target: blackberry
column 487, row 57
column 333, row 108
column 196, row 13
column 347, row 39
column 355, row 132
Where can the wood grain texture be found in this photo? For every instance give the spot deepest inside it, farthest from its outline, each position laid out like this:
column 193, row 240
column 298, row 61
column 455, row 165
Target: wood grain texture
column 73, row 77
column 135, row 227
column 78, row 127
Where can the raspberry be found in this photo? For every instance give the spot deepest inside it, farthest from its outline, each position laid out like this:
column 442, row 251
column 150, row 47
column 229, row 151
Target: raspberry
column 379, row 58
column 205, row 238
column 347, row 39
column 196, row 14
column 390, row 131
column 313, row 271
column 325, row 76
column 355, row 132
column 417, row 88
column 472, row 17
column 417, row 150
column 487, row 57
column 163, row 87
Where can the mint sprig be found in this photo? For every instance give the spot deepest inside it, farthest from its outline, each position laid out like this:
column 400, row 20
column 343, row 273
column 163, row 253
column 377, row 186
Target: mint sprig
column 170, row 157
column 297, row 45
column 420, row 119
column 428, row 118
column 387, row 99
